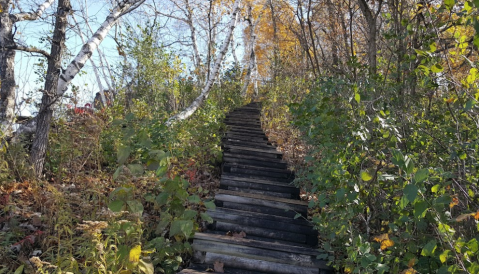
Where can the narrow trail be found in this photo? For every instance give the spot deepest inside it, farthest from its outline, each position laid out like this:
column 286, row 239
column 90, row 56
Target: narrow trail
column 255, row 230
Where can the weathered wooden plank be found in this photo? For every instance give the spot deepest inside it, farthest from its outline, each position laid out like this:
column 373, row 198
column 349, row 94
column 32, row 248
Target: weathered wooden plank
column 254, row 221
column 255, row 243
column 259, row 177
column 201, row 268
column 253, row 162
column 255, row 172
column 261, row 232
column 248, row 141
column 241, row 177
column 253, row 157
column 298, row 221
column 246, row 137
column 276, row 188
column 258, row 253
column 266, row 151
column 248, row 144
column 285, row 171
column 257, row 191
column 258, row 209
column 258, row 265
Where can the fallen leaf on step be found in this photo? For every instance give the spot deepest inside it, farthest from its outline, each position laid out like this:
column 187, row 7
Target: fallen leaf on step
column 209, row 270
column 242, row 234
column 219, row 267
column 229, row 233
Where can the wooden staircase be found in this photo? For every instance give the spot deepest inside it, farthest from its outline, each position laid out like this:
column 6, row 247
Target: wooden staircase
column 256, row 200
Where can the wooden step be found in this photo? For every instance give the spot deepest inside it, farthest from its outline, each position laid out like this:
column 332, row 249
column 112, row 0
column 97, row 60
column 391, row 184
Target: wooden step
column 259, row 177
column 238, row 138
column 259, row 150
column 252, row 157
column 262, row 185
column 248, row 144
column 257, row 191
column 254, row 219
column 252, row 162
column 241, row 136
column 262, row 200
column 257, row 171
column 255, row 255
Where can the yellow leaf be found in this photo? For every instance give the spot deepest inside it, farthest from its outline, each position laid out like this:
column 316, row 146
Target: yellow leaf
column 386, row 243
column 454, row 202
column 476, row 216
column 381, row 237
column 135, row 254
column 450, row 100
column 411, row 263
column 409, row 271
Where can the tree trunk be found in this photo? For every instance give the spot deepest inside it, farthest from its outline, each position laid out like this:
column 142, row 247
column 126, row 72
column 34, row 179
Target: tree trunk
column 209, row 84
column 7, row 71
column 372, row 29
column 40, row 141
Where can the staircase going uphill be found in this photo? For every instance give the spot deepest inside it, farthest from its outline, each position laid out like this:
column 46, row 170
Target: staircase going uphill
column 256, row 228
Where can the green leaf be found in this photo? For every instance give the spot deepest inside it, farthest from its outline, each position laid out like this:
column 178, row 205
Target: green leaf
column 123, row 154
column 403, row 202
column 437, row 68
column 429, row 249
column 136, row 169
column 357, row 97
column 162, row 198
column 476, row 3
column 161, row 171
column 411, row 192
column 116, row 206
column 449, row 4
column 189, row 214
column 181, row 227
column 421, row 175
column 432, row 47
column 210, row 205
column 205, row 217
column 145, row 267
column 135, row 206
column 365, row 176
column 20, row 269
column 444, row 199
column 443, row 256
column 195, row 199
column 420, row 209
column 435, row 188
column 409, row 164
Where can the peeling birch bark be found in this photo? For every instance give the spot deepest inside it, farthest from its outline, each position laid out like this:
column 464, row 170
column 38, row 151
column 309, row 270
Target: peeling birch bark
column 8, row 49
column 92, row 44
column 214, row 73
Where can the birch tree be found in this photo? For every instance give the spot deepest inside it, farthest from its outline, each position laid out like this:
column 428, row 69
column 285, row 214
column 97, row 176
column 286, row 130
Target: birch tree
column 8, row 48
column 214, row 72
column 56, row 83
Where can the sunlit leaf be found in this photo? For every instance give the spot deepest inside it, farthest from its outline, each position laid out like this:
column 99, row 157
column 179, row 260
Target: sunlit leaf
column 429, row 248
column 365, row 176
column 135, row 253
column 444, row 255
column 449, row 4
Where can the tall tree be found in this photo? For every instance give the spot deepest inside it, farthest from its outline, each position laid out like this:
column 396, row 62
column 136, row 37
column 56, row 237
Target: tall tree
column 214, row 72
column 56, row 84
column 8, row 48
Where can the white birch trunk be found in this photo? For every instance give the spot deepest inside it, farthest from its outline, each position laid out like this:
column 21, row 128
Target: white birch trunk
column 209, row 84
column 7, row 60
column 95, row 68
column 92, row 44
